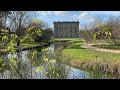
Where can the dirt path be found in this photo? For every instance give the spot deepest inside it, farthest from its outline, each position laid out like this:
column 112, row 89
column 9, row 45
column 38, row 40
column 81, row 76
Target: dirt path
column 99, row 49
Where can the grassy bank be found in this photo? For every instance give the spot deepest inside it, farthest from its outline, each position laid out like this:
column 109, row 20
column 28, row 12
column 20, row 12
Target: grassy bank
column 24, row 46
column 108, row 46
column 67, row 39
column 82, row 58
column 79, row 53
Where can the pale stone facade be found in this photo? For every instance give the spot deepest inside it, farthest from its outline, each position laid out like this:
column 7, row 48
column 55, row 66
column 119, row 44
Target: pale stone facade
column 66, row 29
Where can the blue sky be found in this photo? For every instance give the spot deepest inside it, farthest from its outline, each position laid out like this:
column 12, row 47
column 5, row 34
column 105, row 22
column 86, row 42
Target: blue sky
column 84, row 17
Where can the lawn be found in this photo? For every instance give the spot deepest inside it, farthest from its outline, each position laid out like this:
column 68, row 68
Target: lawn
column 67, row 39
column 91, row 61
column 108, row 46
column 79, row 53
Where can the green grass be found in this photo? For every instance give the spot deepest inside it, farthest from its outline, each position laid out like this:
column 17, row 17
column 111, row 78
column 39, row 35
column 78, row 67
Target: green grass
column 0, row 42
column 110, row 46
column 89, row 60
column 24, row 45
column 79, row 53
column 67, row 39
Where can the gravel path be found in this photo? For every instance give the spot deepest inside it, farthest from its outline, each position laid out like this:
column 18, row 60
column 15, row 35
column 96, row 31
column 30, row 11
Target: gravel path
column 99, row 49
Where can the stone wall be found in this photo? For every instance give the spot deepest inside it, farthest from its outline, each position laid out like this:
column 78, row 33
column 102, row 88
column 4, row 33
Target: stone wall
column 66, row 29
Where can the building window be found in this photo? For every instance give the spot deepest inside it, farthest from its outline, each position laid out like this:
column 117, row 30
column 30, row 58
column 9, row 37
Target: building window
column 61, row 36
column 70, row 36
column 61, row 31
column 70, row 31
column 58, row 29
column 75, row 29
column 70, row 28
column 55, row 31
column 61, row 28
column 66, row 31
column 66, row 28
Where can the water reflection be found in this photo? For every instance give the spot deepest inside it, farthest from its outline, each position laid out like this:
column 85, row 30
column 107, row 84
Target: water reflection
column 51, row 48
column 78, row 74
column 27, row 62
column 73, row 73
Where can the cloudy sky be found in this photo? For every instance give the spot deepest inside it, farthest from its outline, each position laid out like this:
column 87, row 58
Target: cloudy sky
column 84, row 17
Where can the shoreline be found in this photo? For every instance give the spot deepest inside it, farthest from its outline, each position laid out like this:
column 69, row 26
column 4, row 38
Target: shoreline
column 30, row 47
column 111, row 67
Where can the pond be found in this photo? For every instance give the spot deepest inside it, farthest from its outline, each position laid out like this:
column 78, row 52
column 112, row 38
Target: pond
column 29, row 72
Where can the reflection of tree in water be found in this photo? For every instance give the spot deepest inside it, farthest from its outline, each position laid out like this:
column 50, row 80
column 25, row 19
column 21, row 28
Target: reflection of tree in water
column 60, row 45
column 37, row 57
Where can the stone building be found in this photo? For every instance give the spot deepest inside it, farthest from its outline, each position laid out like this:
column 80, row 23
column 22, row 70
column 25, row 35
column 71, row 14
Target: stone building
column 66, row 29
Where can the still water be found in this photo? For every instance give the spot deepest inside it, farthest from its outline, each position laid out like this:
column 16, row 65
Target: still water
column 73, row 73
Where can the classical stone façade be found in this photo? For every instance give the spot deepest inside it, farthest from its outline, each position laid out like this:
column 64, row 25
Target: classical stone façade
column 66, row 29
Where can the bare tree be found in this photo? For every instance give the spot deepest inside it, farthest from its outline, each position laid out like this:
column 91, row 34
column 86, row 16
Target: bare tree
column 3, row 18
column 89, row 29
column 114, row 24
column 18, row 22
column 20, row 19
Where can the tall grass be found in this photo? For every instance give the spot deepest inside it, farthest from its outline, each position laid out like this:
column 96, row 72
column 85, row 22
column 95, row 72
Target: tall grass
column 98, row 64
column 55, row 67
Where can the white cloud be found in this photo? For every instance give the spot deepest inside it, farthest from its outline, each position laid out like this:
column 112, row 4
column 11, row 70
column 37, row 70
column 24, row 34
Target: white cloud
column 85, row 16
column 61, row 13
column 114, row 13
column 57, row 13
column 44, row 12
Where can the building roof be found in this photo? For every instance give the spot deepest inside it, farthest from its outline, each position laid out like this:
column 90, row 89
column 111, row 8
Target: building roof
column 66, row 21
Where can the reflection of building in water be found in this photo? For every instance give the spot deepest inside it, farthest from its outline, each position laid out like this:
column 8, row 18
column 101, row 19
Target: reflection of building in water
column 66, row 29
column 51, row 48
